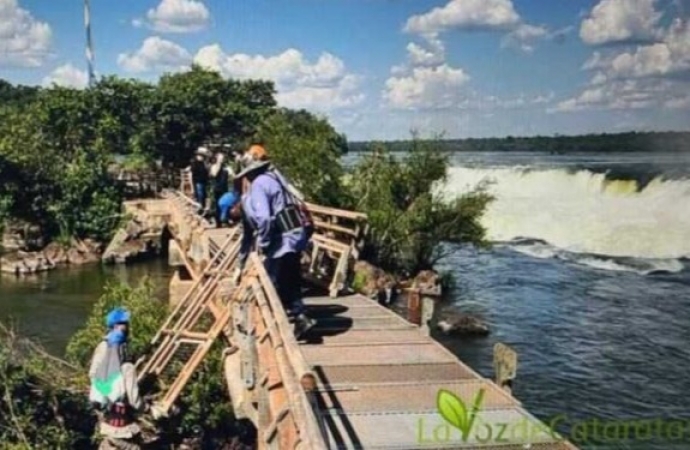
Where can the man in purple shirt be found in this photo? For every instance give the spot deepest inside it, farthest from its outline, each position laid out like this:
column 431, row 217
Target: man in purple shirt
column 268, row 215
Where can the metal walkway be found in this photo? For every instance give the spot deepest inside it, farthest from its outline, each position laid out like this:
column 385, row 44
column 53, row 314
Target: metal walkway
column 372, row 380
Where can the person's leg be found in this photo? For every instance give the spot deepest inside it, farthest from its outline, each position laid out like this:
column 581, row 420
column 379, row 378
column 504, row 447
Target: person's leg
column 203, row 196
column 291, row 282
column 198, row 193
column 217, row 210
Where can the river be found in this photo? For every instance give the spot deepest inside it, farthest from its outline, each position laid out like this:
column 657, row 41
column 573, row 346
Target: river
column 588, row 281
column 51, row 306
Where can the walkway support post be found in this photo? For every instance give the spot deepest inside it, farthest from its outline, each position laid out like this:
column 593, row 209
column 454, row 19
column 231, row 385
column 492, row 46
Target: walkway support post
column 505, row 366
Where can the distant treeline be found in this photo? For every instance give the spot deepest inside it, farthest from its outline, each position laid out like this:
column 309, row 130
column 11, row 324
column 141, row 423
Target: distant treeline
column 671, row 141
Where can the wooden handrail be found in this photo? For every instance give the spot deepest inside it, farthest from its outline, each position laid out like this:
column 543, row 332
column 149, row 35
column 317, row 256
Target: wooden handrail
column 293, row 357
column 327, row 210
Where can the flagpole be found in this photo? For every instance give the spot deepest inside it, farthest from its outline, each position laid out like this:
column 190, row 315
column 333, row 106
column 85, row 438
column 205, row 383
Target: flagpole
column 89, row 45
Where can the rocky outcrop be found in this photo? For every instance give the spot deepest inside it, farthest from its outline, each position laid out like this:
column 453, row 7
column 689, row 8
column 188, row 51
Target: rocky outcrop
column 370, row 280
column 463, row 325
column 133, row 241
column 52, row 256
column 21, row 236
column 427, row 281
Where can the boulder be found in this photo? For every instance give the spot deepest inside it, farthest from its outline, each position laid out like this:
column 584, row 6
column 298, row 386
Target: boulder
column 370, row 280
column 463, row 325
column 21, row 263
column 133, row 241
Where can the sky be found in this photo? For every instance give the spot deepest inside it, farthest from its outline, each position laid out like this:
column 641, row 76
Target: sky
column 378, row 69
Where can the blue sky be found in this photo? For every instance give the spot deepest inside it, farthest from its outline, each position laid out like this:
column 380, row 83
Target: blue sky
column 379, row 68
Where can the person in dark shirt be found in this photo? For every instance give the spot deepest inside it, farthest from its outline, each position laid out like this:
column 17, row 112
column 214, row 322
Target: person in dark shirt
column 200, row 179
column 220, row 175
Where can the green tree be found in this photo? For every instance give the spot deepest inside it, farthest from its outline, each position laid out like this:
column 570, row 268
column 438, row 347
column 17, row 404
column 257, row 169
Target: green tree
column 61, row 165
column 411, row 221
column 199, row 105
column 308, row 150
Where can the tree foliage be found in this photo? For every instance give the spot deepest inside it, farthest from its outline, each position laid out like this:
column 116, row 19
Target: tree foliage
column 41, row 403
column 633, row 141
column 410, row 219
column 57, row 144
column 200, row 105
column 308, row 150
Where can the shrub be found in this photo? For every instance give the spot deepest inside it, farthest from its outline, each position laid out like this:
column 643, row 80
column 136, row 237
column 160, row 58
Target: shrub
column 205, row 410
column 41, row 404
column 410, row 220
column 148, row 314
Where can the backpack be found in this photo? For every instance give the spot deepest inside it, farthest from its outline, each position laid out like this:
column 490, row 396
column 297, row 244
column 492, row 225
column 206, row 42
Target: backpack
column 294, row 203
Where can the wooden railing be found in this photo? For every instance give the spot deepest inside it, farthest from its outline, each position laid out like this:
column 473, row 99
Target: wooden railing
column 268, row 379
column 336, row 243
column 276, row 388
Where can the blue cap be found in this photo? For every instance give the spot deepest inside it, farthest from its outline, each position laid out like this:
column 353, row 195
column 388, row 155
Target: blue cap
column 117, row 315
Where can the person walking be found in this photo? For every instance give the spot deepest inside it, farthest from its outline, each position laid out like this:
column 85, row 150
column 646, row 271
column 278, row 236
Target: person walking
column 200, row 178
column 271, row 217
column 219, row 175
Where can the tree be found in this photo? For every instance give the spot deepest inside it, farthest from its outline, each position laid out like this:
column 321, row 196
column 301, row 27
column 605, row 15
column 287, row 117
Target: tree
column 195, row 106
column 410, row 220
column 307, row 149
column 61, row 159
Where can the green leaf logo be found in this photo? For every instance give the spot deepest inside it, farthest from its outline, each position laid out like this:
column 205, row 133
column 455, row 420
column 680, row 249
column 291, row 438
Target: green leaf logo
column 453, row 409
column 105, row 387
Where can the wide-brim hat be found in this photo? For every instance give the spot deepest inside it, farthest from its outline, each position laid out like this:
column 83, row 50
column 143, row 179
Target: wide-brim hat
column 203, row 151
column 252, row 167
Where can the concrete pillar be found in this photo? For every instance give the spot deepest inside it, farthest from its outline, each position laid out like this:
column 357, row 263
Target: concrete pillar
column 175, row 255
column 180, row 283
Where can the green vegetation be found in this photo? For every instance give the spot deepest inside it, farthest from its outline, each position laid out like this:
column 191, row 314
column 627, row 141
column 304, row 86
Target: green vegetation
column 56, row 148
column 607, row 142
column 44, row 400
column 410, row 219
column 57, row 145
column 308, row 151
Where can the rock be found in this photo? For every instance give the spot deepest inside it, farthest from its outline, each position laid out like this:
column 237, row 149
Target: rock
column 21, row 236
column 133, row 241
column 370, row 280
column 427, row 280
column 133, row 229
column 21, row 263
column 55, row 253
column 463, row 325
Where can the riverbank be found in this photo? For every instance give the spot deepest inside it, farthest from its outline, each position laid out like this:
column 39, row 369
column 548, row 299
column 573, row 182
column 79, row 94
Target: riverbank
column 142, row 236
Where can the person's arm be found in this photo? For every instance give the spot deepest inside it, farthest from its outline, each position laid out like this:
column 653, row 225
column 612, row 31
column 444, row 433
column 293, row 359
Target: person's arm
column 98, row 355
column 261, row 204
column 129, row 376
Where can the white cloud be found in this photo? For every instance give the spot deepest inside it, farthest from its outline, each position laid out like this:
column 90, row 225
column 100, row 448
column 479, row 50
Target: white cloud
column 427, row 88
column 24, row 41
column 523, row 37
column 678, row 103
column 435, row 53
column 324, row 84
column 176, row 16
column 155, row 55
column 68, row 76
column 669, row 57
column 492, row 15
column 613, row 21
column 655, row 75
column 625, row 95
column 465, row 14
